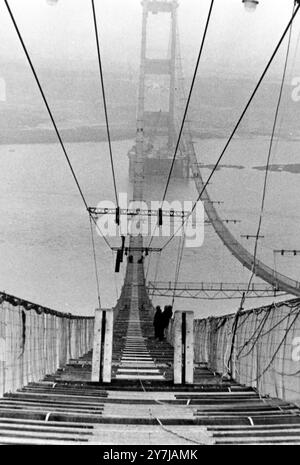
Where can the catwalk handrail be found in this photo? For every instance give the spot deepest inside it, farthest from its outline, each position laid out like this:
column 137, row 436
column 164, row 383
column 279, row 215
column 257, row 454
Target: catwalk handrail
column 28, row 305
column 35, row 341
column 266, row 348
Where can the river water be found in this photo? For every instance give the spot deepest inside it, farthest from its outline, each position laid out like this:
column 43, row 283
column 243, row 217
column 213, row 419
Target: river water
column 45, row 240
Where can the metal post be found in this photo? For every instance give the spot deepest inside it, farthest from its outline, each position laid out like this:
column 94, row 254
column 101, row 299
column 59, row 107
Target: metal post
column 189, row 347
column 2, row 349
column 107, row 352
column 183, row 348
column 102, row 347
column 177, row 348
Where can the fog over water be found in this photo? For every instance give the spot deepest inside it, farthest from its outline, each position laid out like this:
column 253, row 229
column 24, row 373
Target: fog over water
column 238, row 43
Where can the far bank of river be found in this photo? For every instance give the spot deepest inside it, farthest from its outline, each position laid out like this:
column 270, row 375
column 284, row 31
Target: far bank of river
column 118, row 132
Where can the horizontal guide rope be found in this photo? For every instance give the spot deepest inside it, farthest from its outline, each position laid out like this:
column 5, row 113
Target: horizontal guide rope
column 138, row 249
column 27, row 305
column 138, row 211
column 288, row 251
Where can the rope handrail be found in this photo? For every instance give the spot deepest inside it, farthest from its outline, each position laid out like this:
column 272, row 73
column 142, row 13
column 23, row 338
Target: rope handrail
column 292, row 303
column 27, row 305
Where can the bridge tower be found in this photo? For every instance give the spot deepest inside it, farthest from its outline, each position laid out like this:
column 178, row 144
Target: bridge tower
column 156, row 118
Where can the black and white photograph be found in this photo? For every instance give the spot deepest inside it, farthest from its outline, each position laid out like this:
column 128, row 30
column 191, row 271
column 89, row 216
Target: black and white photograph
column 149, row 226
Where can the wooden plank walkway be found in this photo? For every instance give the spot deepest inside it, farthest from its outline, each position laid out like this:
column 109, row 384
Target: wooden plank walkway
column 133, row 411
column 141, row 405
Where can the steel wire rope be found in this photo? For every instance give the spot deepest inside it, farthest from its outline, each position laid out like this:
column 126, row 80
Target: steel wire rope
column 178, row 265
column 49, row 111
column 104, row 101
column 186, row 106
column 268, row 162
column 163, row 427
column 264, row 191
column 238, row 122
column 32, row 67
column 292, row 311
column 95, row 262
column 277, row 349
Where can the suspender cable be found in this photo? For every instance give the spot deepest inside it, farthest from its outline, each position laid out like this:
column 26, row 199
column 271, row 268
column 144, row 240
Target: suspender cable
column 49, row 110
column 104, row 102
column 239, row 120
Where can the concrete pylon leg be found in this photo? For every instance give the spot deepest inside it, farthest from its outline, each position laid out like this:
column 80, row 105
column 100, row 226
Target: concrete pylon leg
column 107, row 352
column 189, row 348
column 177, row 348
column 102, row 346
column 183, row 348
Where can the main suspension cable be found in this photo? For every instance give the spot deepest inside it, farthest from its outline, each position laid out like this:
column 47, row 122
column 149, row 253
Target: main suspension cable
column 188, row 99
column 50, row 113
column 268, row 165
column 244, row 295
column 186, row 107
column 45, row 101
column 238, row 122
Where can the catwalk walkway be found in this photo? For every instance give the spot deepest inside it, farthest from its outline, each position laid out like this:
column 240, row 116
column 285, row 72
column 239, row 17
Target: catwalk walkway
column 66, row 408
column 141, row 405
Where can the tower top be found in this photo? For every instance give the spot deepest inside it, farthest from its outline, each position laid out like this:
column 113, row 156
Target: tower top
column 160, row 6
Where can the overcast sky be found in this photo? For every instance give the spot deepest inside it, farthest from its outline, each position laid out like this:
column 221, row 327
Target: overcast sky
column 237, row 41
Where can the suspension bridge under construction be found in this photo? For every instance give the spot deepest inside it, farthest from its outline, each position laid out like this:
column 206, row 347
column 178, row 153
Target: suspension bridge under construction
column 232, row 379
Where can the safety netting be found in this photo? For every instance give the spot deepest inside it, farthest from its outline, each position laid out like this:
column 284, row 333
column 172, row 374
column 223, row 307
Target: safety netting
column 259, row 348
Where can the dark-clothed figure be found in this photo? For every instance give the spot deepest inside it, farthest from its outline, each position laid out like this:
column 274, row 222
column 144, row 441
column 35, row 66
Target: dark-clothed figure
column 157, row 322
column 166, row 316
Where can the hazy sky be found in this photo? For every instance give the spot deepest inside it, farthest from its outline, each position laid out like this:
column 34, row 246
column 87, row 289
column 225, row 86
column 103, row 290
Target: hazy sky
column 237, row 41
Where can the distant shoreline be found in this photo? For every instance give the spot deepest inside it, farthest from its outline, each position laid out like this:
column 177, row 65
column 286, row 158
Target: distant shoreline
column 72, row 135
column 81, row 134
column 98, row 134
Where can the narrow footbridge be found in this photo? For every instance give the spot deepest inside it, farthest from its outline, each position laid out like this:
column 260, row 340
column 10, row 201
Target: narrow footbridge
column 59, row 404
